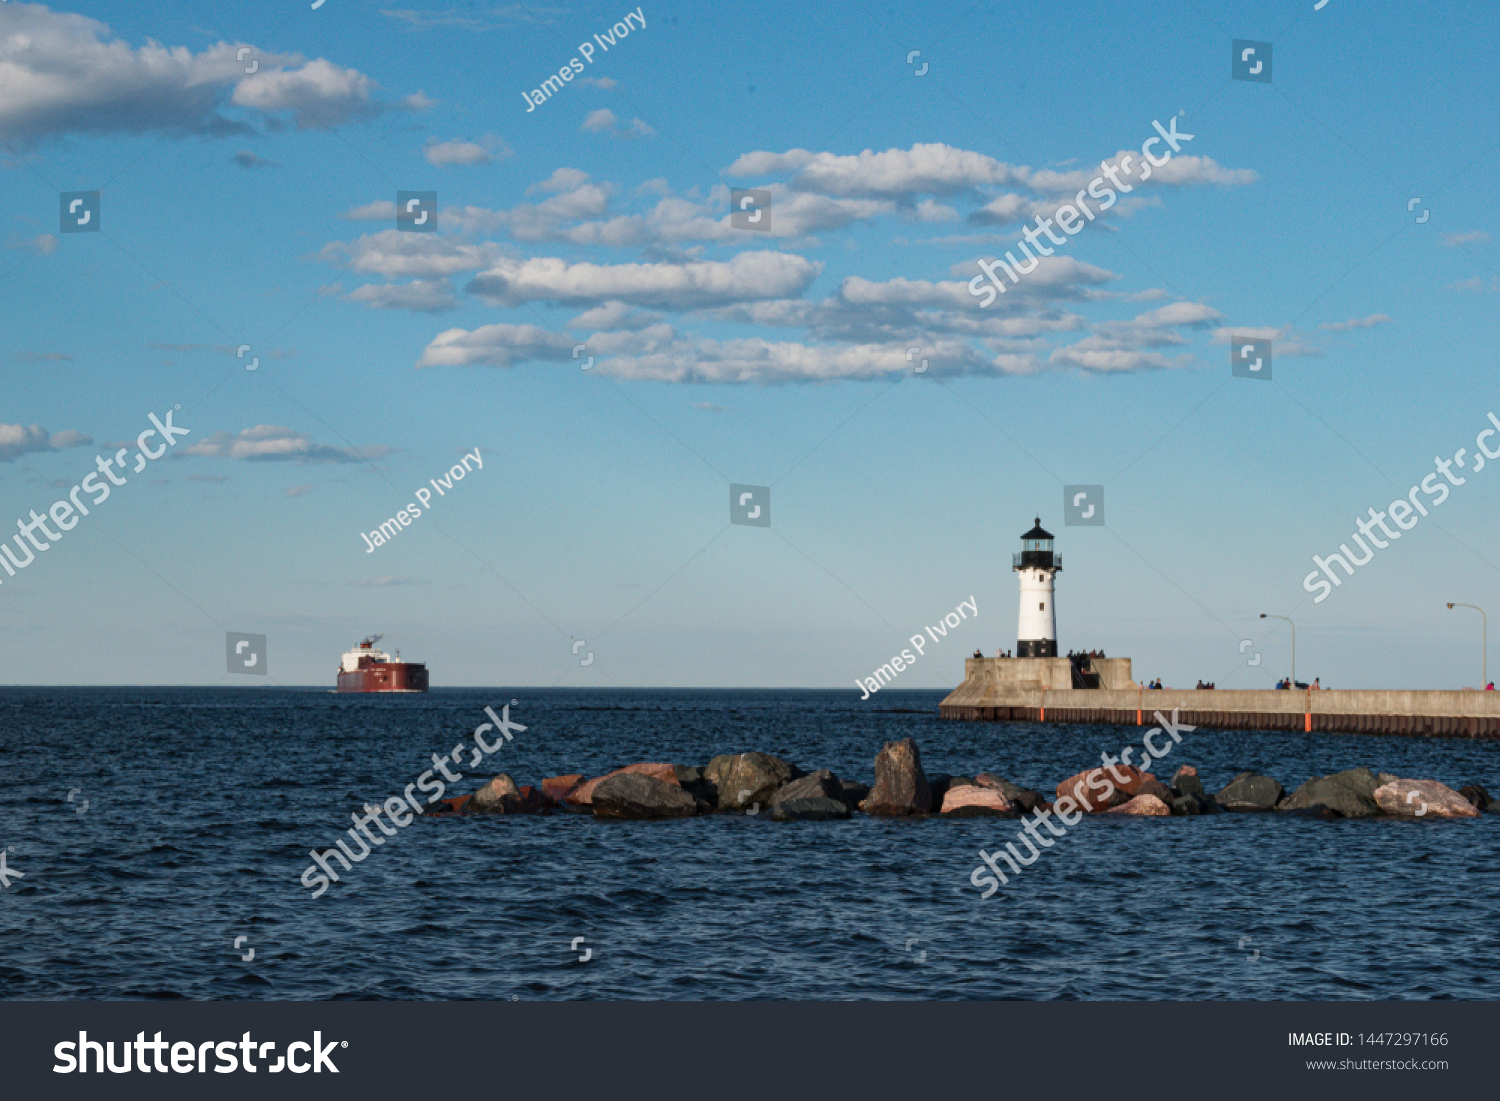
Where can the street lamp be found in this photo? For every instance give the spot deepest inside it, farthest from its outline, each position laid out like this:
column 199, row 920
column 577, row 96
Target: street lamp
column 1486, row 620
column 1294, row 644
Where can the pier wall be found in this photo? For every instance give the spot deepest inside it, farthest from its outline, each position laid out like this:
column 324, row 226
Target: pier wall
column 988, row 694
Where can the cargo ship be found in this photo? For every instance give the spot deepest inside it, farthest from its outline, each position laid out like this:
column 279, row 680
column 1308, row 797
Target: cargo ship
column 367, row 668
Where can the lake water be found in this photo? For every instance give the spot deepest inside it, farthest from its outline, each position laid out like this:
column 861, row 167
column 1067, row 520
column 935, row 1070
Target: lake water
column 202, row 806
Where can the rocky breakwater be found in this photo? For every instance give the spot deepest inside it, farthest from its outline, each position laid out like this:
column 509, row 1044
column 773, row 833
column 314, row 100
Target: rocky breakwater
column 760, row 784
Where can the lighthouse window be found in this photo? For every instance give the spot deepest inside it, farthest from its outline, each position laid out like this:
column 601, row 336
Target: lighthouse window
column 1043, row 605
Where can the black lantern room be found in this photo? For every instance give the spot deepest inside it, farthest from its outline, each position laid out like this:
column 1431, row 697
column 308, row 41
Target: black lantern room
column 1036, row 550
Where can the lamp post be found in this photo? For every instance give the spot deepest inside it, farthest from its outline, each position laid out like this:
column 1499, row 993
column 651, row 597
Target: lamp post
column 1294, row 644
column 1486, row 620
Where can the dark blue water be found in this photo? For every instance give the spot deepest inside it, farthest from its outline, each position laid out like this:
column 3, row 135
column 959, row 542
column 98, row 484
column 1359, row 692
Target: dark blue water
column 204, row 803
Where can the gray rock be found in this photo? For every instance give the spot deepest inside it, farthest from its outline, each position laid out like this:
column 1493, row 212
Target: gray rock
column 688, row 774
column 1250, row 792
column 631, row 795
column 736, row 780
column 1386, row 778
column 1185, row 782
column 900, row 785
column 1361, row 780
column 815, row 785
column 496, row 797
column 818, row 809
column 1342, row 792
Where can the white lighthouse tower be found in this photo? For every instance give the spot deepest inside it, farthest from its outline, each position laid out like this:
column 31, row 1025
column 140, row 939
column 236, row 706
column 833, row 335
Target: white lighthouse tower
column 1036, row 631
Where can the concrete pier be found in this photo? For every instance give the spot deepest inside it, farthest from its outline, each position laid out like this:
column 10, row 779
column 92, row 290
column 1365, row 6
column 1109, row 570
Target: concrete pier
column 1032, row 690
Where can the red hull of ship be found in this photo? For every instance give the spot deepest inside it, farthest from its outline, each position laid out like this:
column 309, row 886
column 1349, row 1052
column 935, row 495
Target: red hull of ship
column 389, row 676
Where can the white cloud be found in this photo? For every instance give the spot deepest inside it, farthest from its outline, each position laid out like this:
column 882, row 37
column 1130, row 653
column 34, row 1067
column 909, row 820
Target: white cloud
column 17, row 440
column 749, row 275
column 762, row 361
column 563, row 179
column 65, row 74
column 1356, row 323
column 320, row 94
column 614, row 315
column 497, row 346
column 1476, row 237
column 270, row 443
column 444, row 153
column 896, row 173
column 1116, row 359
column 1476, row 283
column 419, row 296
column 43, row 245
column 602, row 119
column 392, row 252
column 1284, row 342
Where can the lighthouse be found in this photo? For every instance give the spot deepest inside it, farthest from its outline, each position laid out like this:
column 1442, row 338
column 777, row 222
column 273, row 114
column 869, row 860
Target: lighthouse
column 1036, row 631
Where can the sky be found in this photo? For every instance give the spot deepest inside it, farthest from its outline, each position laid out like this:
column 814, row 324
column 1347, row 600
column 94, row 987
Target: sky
column 248, row 160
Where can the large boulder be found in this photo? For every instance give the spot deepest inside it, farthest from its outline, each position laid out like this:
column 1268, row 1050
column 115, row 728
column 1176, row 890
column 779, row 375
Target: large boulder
column 1342, row 793
column 1144, row 805
column 973, row 801
column 900, row 785
column 1099, row 788
column 1422, row 799
column 738, row 780
column 815, row 809
column 1361, row 780
column 815, row 785
column 1022, row 799
column 491, row 799
column 1250, row 792
column 583, row 794
column 501, row 796
column 1185, row 782
column 638, row 796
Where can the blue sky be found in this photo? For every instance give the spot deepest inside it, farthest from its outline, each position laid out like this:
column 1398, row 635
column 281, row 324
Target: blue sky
column 258, row 208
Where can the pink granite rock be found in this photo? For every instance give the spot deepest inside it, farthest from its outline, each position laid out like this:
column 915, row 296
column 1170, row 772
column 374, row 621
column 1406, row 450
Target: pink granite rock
column 1422, row 799
column 986, row 797
column 583, row 794
column 1144, row 805
column 1087, row 788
